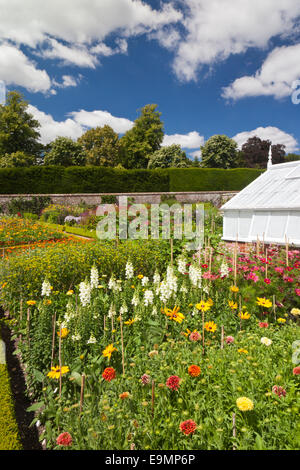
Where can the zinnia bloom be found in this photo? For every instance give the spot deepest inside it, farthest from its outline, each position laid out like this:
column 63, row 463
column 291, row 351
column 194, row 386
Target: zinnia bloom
column 229, row 339
column 244, row 404
column 279, row 391
column 145, row 379
column 296, row 370
column 263, row 324
column 56, row 372
column 188, row 427
column 173, row 382
column 124, row 395
column 194, row 371
column 266, row 341
column 64, row 439
column 109, row 374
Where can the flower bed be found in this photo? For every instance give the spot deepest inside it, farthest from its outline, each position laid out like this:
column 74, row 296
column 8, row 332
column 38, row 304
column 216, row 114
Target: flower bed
column 18, row 231
column 202, row 356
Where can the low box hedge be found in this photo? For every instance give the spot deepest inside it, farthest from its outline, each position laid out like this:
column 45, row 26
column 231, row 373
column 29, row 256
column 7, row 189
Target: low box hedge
column 9, row 433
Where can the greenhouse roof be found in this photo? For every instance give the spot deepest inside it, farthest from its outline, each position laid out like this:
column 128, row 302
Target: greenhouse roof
column 277, row 188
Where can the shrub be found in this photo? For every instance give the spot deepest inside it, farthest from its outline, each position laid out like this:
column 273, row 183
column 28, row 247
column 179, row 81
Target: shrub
column 34, row 205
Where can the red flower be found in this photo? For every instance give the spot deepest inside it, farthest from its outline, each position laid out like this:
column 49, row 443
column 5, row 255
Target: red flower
column 267, row 280
column 173, row 382
column 109, row 373
column 188, row 427
column 296, row 370
column 263, row 324
column 64, row 439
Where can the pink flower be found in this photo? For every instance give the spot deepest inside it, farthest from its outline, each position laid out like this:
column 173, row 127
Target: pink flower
column 195, row 336
column 267, row 280
column 229, row 339
column 296, row 370
column 297, row 291
column 279, row 391
column 145, row 379
column 279, row 270
column 64, row 439
column 263, row 324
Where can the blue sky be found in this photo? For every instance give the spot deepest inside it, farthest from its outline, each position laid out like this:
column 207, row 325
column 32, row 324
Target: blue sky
column 217, row 67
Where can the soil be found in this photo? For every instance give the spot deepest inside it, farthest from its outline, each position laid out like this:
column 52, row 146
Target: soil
column 29, row 435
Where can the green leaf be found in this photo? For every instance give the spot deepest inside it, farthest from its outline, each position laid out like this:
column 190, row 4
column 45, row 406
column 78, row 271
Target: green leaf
column 77, row 377
column 35, row 406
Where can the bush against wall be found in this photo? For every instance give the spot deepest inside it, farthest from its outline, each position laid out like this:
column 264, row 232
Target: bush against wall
column 71, row 180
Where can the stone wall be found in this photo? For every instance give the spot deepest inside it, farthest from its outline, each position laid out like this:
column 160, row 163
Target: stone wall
column 218, row 198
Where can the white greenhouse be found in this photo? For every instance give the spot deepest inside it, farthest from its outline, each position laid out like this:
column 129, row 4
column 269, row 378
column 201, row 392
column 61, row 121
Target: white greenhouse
column 268, row 209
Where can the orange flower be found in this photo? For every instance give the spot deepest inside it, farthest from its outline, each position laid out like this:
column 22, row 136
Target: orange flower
column 124, row 395
column 194, row 371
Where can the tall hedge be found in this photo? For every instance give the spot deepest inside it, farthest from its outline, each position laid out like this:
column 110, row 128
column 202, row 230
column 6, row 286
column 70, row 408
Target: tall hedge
column 61, row 180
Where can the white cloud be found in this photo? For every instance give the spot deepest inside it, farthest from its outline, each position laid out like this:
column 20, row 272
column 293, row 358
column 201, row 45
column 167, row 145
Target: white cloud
column 191, row 140
column 50, row 129
column 280, row 69
column 17, row 69
column 275, row 135
column 100, row 118
column 75, row 55
column 216, row 29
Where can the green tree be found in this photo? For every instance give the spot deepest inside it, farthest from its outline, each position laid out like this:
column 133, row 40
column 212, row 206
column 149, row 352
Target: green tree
column 18, row 128
column 292, row 157
column 143, row 139
column 64, row 151
column 169, row 157
column 102, row 146
column 17, row 159
column 219, row 152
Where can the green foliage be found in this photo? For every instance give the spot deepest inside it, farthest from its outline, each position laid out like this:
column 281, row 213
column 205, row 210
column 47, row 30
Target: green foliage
column 17, row 159
column 211, row 179
column 292, row 157
column 9, row 433
column 143, row 139
column 60, row 180
column 65, row 152
column 18, row 129
column 101, row 146
column 34, row 205
column 169, row 157
column 219, row 152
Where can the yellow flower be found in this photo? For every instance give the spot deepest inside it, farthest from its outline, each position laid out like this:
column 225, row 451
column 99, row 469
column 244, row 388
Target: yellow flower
column 174, row 314
column 47, row 302
column 31, row 302
column 244, row 315
column 210, row 326
column 264, row 302
column 203, row 306
column 56, row 372
column 64, row 332
column 107, row 352
column 210, row 302
column 140, row 276
column 70, row 292
column 3, row 285
column 234, row 289
column 281, row 320
column 130, row 322
column 244, row 404
column 242, row 351
column 233, row 305
column 295, row 311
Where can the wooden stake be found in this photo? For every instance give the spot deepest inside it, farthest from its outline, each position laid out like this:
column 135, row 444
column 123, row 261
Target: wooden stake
column 233, row 429
column 122, row 342
column 59, row 358
column 82, row 392
column 153, row 397
column 266, row 272
column 53, row 338
column 28, row 326
column 171, row 245
column 222, row 337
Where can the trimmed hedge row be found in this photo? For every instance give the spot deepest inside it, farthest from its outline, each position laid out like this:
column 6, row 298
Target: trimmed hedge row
column 9, row 434
column 62, row 180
